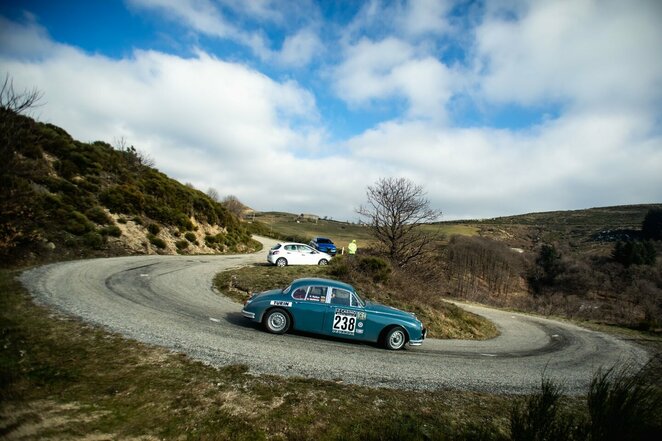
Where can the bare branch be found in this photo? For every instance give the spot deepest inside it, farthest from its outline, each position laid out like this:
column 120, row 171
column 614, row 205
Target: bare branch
column 395, row 211
column 18, row 102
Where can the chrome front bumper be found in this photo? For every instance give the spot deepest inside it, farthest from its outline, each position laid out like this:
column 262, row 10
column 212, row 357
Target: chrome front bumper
column 419, row 342
column 250, row 315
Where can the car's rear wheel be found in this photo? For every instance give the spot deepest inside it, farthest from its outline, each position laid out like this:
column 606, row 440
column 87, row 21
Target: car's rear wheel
column 277, row 321
column 395, row 339
column 323, row 262
column 281, row 262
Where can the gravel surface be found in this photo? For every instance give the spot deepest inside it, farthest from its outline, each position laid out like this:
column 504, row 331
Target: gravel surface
column 169, row 301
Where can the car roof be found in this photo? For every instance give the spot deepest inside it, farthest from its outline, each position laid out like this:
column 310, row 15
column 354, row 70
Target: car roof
column 291, row 243
column 321, row 281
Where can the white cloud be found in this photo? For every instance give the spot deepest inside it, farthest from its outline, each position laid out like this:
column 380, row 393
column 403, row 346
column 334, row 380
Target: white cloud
column 202, row 119
column 411, row 19
column 201, row 15
column 209, row 18
column 425, row 16
column 391, row 68
column 299, row 49
column 577, row 161
column 583, row 53
column 24, row 41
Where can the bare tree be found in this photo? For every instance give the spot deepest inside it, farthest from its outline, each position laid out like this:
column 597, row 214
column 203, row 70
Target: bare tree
column 18, row 102
column 234, row 205
column 395, row 210
column 134, row 157
column 213, row 194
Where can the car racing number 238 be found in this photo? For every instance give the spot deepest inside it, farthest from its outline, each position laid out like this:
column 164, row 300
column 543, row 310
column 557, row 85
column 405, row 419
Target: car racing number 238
column 344, row 321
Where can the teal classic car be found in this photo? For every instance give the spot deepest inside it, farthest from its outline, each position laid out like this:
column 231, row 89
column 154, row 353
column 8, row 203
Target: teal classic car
column 332, row 308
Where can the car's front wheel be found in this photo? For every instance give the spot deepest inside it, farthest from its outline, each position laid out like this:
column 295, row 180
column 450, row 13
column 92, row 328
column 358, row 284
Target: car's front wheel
column 277, row 321
column 395, row 339
column 323, row 262
column 281, row 262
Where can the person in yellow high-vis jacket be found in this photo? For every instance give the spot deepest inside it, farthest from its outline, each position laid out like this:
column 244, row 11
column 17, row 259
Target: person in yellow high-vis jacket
column 352, row 247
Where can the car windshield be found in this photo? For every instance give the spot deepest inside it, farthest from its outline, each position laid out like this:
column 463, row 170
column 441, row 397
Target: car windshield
column 359, row 300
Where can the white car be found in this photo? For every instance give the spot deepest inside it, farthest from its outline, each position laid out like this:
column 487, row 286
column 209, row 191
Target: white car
column 290, row 253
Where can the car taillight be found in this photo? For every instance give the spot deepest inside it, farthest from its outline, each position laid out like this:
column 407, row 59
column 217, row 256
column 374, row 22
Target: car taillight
column 274, row 252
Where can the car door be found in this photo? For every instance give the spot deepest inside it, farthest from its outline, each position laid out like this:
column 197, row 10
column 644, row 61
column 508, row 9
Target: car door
column 307, row 255
column 344, row 316
column 309, row 312
column 292, row 254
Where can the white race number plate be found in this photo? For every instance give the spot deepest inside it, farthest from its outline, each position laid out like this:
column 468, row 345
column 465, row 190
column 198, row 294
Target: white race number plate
column 344, row 322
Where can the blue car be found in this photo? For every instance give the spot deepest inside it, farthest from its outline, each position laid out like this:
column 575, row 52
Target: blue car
column 333, row 308
column 323, row 245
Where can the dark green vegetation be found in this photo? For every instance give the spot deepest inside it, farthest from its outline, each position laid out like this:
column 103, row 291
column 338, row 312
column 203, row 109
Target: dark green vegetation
column 62, row 198
column 375, row 280
column 60, row 379
column 617, row 407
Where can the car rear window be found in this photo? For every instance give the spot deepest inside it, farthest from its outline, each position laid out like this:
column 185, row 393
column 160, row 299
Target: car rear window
column 323, row 240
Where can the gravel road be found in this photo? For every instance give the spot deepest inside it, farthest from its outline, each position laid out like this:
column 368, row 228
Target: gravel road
column 169, row 301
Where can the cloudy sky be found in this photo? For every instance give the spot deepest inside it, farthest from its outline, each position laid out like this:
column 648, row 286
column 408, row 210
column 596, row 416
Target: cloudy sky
column 495, row 107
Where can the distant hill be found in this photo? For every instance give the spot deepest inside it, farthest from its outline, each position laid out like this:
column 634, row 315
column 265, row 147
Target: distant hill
column 584, row 230
column 63, row 198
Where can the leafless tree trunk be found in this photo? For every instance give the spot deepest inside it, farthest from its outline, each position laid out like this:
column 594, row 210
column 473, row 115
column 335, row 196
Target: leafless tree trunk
column 395, row 211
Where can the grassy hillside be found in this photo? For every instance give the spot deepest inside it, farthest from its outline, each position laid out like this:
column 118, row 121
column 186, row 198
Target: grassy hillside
column 290, row 226
column 498, row 261
column 64, row 198
column 591, row 230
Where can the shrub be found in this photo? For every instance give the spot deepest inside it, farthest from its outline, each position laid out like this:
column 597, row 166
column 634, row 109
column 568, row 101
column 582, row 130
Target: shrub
column 111, row 230
column 181, row 244
column 153, row 229
column 375, row 267
column 190, row 237
column 98, row 215
column 77, row 223
column 123, row 199
column 339, row 267
column 622, row 407
column 157, row 241
column 651, row 227
column 634, row 253
column 540, row 418
column 618, row 407
column 547, row 268
column 214, row 241
column 93, row 240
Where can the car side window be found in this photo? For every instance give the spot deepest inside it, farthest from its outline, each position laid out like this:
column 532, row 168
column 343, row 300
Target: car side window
column 316, row 294
column 299, row 293
column 305, row 249
column 340, row 297
column 290, row 248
